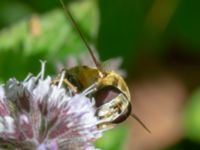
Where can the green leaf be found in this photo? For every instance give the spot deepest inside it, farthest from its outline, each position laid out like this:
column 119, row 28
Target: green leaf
column 192, row 118
column 185, row 24
column 20, row 49
column 113, row 139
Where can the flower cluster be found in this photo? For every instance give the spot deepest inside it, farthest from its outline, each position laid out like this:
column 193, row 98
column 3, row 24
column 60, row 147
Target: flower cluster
column 38, row 115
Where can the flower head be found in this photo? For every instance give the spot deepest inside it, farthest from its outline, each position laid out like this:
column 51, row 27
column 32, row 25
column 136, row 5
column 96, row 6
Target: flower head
column 38, row 115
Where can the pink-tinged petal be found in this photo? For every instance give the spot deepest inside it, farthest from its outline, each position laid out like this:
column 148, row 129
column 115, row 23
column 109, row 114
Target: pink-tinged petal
column 36, row 115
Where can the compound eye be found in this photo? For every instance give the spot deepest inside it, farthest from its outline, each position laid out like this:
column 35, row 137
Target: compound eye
column 105, row 95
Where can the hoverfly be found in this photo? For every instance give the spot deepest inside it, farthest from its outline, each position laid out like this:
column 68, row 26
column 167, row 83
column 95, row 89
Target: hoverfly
column 112, row 97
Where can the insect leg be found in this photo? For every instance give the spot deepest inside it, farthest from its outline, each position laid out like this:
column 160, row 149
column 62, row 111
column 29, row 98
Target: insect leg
column 62, row 78
column 74, row 88
column 67, row 82
column 90, row 89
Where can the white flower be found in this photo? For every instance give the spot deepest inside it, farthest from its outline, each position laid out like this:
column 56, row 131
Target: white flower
column 37, row 115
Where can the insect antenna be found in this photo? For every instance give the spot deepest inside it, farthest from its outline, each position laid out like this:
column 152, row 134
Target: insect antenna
column 73, row 22
column 140, row 122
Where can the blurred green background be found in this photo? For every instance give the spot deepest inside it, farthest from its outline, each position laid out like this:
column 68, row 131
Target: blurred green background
column 159, row 42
